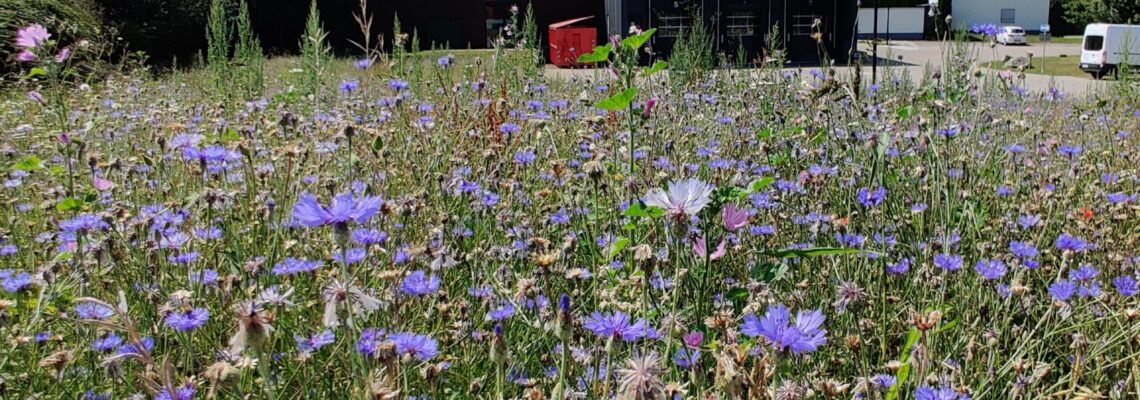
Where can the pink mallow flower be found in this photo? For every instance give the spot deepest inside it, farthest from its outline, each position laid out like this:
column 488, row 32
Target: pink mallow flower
column 31, row 36
column 734, row 218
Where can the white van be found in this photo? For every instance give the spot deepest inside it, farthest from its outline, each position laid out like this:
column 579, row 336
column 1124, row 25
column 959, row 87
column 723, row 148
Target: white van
column 1107, row 46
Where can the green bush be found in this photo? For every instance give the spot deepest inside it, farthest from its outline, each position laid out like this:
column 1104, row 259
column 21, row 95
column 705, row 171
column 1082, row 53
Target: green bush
column 66, row 19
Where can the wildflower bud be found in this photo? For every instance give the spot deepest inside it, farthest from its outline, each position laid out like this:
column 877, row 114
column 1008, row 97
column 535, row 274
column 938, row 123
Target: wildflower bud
column 386, row 352
column 349, row 131
column 853, row 342
column 894, row 365
column 431, row 372
column 221, row 371
column 498, row 345
column 594, row 169
column 645, row 112
column 36, row 96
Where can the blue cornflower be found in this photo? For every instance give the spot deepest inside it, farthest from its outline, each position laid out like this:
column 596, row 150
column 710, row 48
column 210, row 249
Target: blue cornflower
column 503, row 312
column 423, row 347
column 445, row 61
column 206, row 277
column 1067, row 242
column 686, row 358
column 1022, row 249
column 938, row 393
column 1126, row 285
column 397, row 84
column 293, row 266
column 616, row 324
column 131, row 348
column 560, row 218
column 1062, row 290
column 948, row 262
column 83, row 223
column 1028, row 221
column 900, row 267
column 89, row 310
column 525, row 157
column 353, row 255
column 871, row 197
column 882, row 382
column 419, row 283
column 187, row 320
column 990, row 269
column 343, row 208
column 107, row 343
column 180, row 393
column 15, row 281
column 370, row 339
column 1070, row 150
column 313, row 343
column 1117, row 198
column 802, row 336
column 509, row 128
column 366, row 237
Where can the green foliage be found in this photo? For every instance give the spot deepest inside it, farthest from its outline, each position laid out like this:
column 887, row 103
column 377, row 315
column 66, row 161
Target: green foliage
column 315, row 53
column 1083, row 12
column 693, row 51
column 218, row 45
column 248, row 54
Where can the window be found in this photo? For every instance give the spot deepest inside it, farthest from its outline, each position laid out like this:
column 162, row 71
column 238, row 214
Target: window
column 1007, row 16
column 1094, row 43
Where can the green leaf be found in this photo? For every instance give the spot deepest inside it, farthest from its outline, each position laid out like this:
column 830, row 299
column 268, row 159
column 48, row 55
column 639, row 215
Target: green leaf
column 37, row 71
column 762, row 183
column 617, row 246
column 904, row 371
column 768, row 272
column 636, row 41
column 230, row 135
column 618, row 101
column 377, row 144
column 735, row 294
column 600, row 54
column 764, row 134
column 811, row 252
column 69, row 204
column 30, row 163
column 640, row 210
column 905, row 112
column 657, row 67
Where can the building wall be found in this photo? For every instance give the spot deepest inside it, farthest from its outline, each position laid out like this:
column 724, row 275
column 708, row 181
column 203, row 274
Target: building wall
column 894, row 23
column 1029, row 14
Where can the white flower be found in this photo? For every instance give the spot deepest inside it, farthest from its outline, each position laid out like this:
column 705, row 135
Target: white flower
column 685, row 198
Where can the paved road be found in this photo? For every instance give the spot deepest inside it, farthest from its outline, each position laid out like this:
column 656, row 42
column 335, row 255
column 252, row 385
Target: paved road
column 915, row 55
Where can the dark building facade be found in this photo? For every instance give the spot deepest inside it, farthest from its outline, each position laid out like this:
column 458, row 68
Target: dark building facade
column 804, row 25
column 733, row 24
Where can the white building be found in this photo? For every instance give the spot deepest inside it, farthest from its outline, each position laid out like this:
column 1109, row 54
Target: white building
column 1029, row 14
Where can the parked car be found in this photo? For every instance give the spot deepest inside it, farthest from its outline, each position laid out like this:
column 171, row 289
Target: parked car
column 1012, row 34
column 1108, row 46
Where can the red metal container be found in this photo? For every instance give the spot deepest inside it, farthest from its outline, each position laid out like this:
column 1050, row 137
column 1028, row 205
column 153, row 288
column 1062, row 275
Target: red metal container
column 568, row 42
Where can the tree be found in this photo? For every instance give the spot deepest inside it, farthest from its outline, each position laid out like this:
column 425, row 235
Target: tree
column 1083, row 12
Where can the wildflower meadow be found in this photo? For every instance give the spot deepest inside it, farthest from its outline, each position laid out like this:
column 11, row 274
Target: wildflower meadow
column 404, row 224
